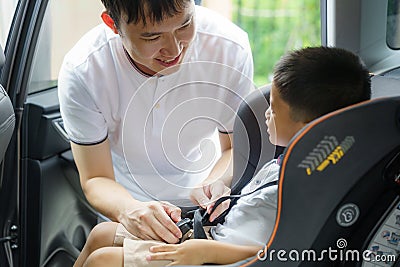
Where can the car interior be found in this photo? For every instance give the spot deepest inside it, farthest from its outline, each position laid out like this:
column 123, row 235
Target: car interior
column 7, row 117
column 45, row 217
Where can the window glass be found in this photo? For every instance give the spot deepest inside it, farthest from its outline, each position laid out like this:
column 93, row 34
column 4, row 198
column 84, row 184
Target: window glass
column 65, row 22
column 393, row 21
column 275, row 27
column 7, row 9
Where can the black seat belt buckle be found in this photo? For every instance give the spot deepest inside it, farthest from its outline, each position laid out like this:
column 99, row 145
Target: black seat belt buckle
column 185, row 225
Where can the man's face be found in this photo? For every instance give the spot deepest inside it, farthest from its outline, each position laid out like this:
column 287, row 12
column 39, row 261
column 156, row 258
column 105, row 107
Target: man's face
column 281, row 127
column 155, row 47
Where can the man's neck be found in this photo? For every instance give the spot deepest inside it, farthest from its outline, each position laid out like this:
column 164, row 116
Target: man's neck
column 139, row 67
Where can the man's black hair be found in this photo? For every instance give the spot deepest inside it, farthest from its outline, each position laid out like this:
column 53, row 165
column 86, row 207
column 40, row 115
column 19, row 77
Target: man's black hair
column 135, row 10
column 317, row 80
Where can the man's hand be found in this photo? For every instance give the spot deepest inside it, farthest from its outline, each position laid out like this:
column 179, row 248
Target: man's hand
column 154, row 221
column 190, row 252
column 206, row 195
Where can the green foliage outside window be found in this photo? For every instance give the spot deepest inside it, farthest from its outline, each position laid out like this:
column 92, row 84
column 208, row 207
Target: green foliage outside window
column 275, row 27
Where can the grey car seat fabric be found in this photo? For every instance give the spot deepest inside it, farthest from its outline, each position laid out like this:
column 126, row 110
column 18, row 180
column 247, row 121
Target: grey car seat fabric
column 355, row 179
column 343, row 164
column 383, row 86
column 2, row 57
column 7, row 121
column 252, row 148
column 7, row 118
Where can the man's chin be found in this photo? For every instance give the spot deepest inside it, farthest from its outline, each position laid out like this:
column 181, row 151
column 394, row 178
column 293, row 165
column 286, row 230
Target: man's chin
column 169, row 70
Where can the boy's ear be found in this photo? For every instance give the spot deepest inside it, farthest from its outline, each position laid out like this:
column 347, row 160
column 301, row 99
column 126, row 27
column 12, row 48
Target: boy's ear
column 109, row 21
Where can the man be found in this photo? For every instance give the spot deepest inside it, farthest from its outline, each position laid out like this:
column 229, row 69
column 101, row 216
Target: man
column 148, row 101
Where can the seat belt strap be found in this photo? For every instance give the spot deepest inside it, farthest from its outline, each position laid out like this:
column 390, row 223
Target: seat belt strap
column 236, row 197
column 201, row 217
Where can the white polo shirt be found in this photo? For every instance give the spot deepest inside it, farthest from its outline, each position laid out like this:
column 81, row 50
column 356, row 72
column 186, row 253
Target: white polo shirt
column 162, row 130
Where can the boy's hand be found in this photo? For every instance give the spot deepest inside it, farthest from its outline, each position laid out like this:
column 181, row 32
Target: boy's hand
column 206, row 195
column 190, row 252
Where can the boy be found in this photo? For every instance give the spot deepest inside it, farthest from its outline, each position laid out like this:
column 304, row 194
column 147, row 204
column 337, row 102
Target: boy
column 307, row 84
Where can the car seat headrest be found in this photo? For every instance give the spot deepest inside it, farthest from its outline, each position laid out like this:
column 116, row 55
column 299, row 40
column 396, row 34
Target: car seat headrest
column 382, row 86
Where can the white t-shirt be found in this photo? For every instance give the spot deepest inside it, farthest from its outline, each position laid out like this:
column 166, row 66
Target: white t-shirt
column 162, row 130
column 250, row 222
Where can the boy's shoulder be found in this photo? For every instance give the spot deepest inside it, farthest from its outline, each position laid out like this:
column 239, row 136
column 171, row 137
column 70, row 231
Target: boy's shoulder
column 268, row 173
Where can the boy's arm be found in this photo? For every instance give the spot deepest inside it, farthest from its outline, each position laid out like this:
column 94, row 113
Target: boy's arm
column 200, row 251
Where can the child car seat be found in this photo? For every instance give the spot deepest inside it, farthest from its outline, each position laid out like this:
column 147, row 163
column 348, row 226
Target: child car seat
column 338, row 190
column 339, row 180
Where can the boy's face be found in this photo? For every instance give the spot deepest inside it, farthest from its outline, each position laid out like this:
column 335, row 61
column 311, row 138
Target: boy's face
column 155, row 47
column 281, row 127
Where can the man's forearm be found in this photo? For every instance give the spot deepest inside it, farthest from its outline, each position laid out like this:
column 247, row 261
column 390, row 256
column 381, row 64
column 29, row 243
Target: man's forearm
column 223, row 169
column 108, row 197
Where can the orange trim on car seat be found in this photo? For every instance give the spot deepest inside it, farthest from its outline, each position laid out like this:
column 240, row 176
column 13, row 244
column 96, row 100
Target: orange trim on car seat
column 282, row 171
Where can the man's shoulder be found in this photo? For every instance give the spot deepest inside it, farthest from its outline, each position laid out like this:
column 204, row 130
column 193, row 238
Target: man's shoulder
column 90, row 44
column 210, row 24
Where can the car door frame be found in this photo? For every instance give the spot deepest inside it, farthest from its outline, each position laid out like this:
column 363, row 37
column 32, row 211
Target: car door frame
column 19, row 52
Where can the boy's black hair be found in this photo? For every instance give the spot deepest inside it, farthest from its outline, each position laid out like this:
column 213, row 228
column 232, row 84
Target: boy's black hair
column 135, row 10
column 314, row 81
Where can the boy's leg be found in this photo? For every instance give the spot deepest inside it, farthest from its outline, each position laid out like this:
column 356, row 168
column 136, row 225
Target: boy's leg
column 134, row 249
column 135, row 252
column 132, row 254
column 102, row 235
column 104, row 248
column 106, row 257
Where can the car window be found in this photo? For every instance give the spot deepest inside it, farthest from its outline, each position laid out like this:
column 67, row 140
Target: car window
column 393, row 20
column 274, row 27
column 7, row 9
column 64, row 24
